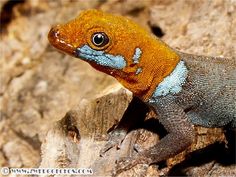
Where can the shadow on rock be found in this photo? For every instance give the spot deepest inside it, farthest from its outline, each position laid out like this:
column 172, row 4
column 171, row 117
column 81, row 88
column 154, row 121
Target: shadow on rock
column 217, row 152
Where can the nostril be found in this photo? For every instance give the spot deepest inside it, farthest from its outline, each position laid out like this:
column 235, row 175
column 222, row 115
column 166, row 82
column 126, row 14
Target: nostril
column 56, row 31
column 53, row 34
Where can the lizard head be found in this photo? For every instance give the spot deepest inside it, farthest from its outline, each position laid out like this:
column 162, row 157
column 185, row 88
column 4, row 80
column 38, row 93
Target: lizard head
column 117, row 46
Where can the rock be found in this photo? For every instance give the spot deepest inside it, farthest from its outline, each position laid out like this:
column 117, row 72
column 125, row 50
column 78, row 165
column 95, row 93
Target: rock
column 82, row 133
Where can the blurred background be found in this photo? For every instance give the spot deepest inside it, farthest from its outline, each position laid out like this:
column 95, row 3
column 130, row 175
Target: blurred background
column 39, row 84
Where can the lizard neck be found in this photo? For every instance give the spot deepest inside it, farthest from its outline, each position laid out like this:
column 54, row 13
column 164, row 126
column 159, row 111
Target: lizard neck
column 173, row 83
column 156, row 61
column 159, row 64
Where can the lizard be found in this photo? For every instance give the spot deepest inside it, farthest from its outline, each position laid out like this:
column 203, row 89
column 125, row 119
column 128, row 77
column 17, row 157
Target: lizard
column 183, row 89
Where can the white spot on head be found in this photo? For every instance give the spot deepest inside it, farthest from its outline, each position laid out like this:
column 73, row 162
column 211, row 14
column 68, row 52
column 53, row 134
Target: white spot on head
column 139, row 70
column 137, row 55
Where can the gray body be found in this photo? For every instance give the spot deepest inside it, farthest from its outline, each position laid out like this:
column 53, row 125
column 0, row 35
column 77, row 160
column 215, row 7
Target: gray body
column 209, row 94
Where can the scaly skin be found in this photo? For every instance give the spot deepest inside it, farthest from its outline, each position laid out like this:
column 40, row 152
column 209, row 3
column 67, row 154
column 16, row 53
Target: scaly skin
column 183, row 89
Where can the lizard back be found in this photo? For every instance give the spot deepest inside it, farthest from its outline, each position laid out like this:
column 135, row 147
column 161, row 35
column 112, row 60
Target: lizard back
column 209, row 93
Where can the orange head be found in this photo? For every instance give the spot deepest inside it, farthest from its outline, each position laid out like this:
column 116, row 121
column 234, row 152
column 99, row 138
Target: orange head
column 117, row 46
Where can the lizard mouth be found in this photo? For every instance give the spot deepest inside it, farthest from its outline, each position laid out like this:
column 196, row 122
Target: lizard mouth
column 58, row 42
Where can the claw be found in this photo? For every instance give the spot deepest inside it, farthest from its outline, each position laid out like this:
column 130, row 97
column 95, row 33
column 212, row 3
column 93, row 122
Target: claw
column 138, row 148
column 115, row 140
column 107, row 147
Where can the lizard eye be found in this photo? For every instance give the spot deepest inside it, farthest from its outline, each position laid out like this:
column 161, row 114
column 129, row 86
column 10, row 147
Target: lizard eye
column 100, row 39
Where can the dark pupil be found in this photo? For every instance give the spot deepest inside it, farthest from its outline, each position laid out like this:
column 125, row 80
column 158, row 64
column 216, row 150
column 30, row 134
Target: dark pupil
column 98, row 39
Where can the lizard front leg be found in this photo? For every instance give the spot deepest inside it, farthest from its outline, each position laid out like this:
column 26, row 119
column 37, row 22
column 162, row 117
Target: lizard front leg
column 180, row 136
column 133, row 116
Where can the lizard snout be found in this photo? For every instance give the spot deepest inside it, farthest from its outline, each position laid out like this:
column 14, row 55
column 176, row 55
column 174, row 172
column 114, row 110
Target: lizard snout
column 56, row 39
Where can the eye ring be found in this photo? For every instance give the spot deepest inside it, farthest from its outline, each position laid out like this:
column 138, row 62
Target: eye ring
column 100, row 39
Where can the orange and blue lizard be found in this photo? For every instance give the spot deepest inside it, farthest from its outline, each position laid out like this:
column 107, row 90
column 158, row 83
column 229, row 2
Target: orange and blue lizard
column 183, row 89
